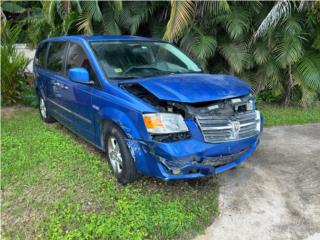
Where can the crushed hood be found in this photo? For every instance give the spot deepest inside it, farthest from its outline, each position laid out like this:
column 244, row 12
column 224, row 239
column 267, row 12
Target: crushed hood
column 193, row 88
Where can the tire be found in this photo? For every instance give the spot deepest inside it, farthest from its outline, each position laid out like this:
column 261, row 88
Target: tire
column 119, row 156
column 43, row 110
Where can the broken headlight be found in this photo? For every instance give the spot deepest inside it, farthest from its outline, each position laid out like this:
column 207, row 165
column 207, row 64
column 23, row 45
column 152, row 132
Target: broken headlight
column 164, row 123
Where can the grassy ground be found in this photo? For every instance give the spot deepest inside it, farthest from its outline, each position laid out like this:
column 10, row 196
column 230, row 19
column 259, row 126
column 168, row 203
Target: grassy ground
column 54, row 186
column 276, row 115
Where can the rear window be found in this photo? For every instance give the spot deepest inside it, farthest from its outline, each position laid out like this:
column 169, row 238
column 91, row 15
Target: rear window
column 56, row 54
column 40, row 59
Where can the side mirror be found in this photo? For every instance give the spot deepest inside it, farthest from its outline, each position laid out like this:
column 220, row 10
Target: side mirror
column 79, row 75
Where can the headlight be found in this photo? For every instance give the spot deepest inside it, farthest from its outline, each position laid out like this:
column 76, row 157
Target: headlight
column 251, row 105
column 164, row 123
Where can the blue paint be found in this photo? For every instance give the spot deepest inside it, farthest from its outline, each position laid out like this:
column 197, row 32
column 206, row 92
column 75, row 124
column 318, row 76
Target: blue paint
column 90, row 107
column 80, row 75
column 192, row 88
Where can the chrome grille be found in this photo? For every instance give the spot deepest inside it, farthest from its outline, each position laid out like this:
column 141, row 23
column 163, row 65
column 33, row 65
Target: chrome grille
column 217, row 128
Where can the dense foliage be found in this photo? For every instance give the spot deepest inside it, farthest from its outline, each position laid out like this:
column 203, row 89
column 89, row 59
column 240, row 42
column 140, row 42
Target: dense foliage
column 13, row 65
column 273, row 45
column 63, row 189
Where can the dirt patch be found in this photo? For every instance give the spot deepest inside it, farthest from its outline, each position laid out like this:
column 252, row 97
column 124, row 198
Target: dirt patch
column 276, row 193
column 9, row 112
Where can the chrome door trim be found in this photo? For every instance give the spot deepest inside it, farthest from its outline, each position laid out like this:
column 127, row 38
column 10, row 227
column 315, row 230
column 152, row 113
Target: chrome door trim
column 71, row 112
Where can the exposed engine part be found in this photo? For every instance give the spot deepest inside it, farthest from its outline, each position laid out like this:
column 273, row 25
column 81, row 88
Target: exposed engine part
column 225, row 108
column 220, row 107
column 142, row 93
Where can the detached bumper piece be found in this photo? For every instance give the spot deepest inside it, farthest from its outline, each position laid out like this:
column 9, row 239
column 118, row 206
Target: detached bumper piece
column 209, row 165
column 222, row 160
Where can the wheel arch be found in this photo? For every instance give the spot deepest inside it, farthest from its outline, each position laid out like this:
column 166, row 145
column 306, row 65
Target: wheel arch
column 130, row 124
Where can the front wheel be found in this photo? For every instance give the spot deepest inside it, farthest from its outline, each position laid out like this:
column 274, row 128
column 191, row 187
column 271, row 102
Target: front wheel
column 119, row 155
column 45, row 116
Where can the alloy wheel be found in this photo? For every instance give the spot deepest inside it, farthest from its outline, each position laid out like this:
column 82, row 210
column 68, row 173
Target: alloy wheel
column 114, row 154
column 43, row 109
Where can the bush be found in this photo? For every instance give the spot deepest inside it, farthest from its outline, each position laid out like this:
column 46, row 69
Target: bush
column 13, row 65
column 267, row 96
column 28, row 96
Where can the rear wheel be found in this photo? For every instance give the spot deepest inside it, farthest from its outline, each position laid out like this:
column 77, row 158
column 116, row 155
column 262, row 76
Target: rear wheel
column 45, row 116
column 119, row 155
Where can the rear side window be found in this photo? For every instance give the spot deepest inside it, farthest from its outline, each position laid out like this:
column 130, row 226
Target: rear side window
column 40, row 59
column 56, row 54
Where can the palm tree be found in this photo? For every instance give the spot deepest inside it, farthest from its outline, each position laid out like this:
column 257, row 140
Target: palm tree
column 273, row 45
column 291, row 49
column 276, row 55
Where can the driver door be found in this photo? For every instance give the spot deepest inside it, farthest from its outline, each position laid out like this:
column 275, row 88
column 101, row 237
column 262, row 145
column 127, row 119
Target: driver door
column 79, row 96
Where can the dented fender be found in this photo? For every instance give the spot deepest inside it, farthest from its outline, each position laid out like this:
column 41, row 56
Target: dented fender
column 131, row 122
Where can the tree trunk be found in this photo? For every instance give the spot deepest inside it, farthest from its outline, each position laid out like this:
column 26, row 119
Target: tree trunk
column 289, row 87
column 67, row 6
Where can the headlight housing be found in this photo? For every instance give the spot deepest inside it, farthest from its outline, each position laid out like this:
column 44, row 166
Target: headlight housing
column 164, row 123
column 251, row 104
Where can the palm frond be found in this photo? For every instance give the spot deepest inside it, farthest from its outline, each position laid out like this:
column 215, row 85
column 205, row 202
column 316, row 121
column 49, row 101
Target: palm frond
column 237, row 22
column 308, row 97
column 137, row 14
column 289, row 50
column 279, row 11
column 84, row 24
column 260, row 53
column 92, row 10
column 255, row 6
column 308, row 70
column 268, row 75
column 214, row 8
column 289, row 47
column 180, row 16
column 112, row 22
column 9, row 33
column 198, row 45
column 68, row 21
column 316, row 42
column 236, row 55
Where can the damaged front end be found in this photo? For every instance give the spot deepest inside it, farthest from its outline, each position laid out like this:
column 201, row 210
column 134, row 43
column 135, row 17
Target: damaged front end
column 217, row 136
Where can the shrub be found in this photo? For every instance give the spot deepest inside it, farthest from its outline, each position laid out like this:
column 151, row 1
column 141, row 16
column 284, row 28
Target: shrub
column 28, row 96
column 13, row 65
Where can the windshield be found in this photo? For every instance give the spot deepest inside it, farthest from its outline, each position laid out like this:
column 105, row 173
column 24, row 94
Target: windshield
column 133, row 59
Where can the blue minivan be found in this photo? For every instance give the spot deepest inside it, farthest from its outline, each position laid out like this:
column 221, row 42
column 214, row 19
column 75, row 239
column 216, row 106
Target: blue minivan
column 148, row 106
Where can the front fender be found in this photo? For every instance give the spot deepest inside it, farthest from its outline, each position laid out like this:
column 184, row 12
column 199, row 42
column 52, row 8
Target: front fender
column 130, row 121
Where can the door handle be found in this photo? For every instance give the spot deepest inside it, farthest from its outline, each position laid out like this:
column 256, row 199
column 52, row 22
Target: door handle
column 56, row 84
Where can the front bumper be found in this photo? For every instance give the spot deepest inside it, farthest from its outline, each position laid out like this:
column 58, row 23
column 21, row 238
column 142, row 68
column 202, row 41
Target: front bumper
column 187, row 159
column 191, row 158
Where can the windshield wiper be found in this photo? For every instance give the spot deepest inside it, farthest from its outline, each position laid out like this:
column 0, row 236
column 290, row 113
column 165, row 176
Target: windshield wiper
column 123, row 77
column 187, row 72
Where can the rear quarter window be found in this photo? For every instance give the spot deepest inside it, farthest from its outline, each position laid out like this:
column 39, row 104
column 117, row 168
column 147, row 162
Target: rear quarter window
column 55, row 60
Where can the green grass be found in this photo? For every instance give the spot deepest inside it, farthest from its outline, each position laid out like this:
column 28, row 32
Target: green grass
column 54, row 186
column 276, row 115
